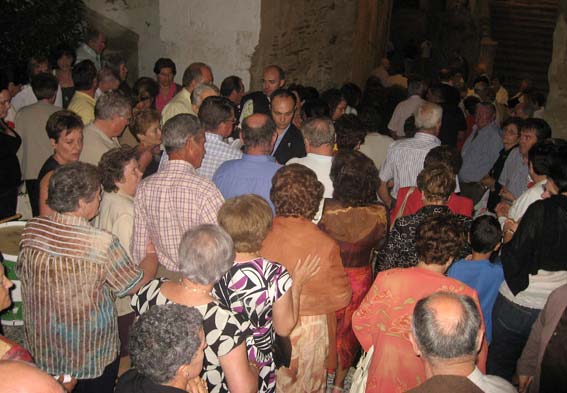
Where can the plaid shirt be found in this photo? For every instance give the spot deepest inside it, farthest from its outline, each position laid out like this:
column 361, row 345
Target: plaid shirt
column 70, row 273
column 217, row 152
column 168, row 204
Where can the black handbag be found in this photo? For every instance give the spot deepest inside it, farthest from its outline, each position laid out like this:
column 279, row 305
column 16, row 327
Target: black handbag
column 281, row 349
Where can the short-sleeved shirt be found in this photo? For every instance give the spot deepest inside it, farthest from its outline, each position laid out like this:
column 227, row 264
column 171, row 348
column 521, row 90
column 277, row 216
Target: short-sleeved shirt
column 224, row 330
column 95, row 144
column 70, row 274
column 251, row 289
column 83, row 105
column 515, row 174
column 216, row 152
column 480, row 152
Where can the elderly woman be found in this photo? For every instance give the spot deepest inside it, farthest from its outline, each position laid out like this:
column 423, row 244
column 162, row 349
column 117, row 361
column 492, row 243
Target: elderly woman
column 296, row 194
column 436, row 182
column 70, row 274
column 390, row 302
column 206, row 253
column 65, row 132
column 10, row 172
column 165, row 71
column 257, row 288
column 166, row 344
column 355, row 219
column 120, row 178
column 146, row 128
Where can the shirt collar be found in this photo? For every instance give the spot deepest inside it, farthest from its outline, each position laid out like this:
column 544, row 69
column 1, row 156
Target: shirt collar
column 66, row 218
column 209, row 136
column 426, row 136
column 262, row 158
column 179, row 164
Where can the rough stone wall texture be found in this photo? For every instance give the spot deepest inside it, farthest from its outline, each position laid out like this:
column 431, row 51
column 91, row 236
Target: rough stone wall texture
column 556, row 108
column 311, row 39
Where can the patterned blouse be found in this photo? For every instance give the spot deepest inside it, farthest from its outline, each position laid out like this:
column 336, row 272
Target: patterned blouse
column 251, row 288
column 224, row 330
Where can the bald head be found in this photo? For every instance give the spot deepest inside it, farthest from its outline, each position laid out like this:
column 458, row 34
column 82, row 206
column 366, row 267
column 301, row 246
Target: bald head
column 258, row 133
column 26, row 378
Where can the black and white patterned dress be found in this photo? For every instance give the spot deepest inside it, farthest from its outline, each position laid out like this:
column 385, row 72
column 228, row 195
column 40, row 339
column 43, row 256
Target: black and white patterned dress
column 251, row 288
column 224, row 330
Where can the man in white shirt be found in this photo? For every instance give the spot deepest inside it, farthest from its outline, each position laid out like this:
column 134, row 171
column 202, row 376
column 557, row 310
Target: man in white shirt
column 26, row 96
column 92, row 48
column 447, row 333
column 407, row 108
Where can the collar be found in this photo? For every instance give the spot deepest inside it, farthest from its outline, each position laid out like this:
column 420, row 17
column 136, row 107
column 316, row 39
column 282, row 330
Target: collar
column 262, row 158
column 102, row 134
column 85, row 96
column 426, row 137
column 69, row 219
column 180, row 165
column 90, row 50
column 119, row 195
column 319, row 157
column 475, row 375
column 209, row 137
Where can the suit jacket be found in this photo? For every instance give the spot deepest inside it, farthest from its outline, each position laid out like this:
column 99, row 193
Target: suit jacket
column 291, row 145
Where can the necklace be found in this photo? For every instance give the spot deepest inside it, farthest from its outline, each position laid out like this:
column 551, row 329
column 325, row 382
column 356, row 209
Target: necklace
column 193, row 289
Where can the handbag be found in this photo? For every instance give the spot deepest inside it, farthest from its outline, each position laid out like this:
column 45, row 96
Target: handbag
column 360, row 375
column 281, row 348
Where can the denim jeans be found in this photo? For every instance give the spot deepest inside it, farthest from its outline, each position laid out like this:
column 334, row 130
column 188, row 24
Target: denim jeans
column 511, row 327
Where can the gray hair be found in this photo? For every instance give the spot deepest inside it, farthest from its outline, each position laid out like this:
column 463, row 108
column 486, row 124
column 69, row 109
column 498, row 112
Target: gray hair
column 71, row 183
column 163, row 339
column 206, row 253
column 107, row 74
column 177, row 130
column 112, row 104
column 319, row 131
column 197, row 93
column 443, row 339
column 428, row 116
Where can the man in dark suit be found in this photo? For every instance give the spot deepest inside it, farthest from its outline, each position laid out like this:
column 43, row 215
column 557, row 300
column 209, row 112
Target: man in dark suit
column 290, row 142
column 273, row 78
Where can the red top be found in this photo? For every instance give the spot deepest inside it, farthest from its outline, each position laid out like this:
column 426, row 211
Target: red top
column 457, row 204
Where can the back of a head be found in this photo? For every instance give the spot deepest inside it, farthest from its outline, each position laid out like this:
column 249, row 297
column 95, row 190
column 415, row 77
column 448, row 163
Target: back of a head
column 112, row 104
column 107, row 75
column 436, row 94
column 332, row 97
column 540, row 155
column 355, row 178
column 91, row 34
column 178, row 129
column 71, row 183
column 213, row 111
column 470, row 104
column 230, row 84
column 319, row 131
column 485, row 234
column 44, row 85
column 350, row 132
column 445, row 154
column 428, row 117
column 539, row 126
column 114, row 61
column 438, row 239
column 258, row 132
column 145, row 88
column 415, row 86
column 372, row 119
column 193, row 73
column 436, row 182
column 558, row 168
column 315, row 108
column 445, row 74
column 202, row 91
column 84, row 73
column 352, row 94
column 26, row 378
column 445, row 326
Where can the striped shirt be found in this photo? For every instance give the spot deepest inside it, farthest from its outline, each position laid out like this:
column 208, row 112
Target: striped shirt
column 216, row 152
column 70, row 273
column 168, row 204
column 405, row 158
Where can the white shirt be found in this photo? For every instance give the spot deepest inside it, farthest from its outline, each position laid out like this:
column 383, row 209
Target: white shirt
column 524, row 201
column 375, row 146
column 502, row 96
column 85, row 52
column 403, row 111
column 27, row 97
column 321, row 165
column 95, row 144
column 490, row 383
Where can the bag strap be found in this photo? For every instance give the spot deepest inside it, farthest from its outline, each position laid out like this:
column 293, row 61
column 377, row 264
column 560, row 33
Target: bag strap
column 400, row 212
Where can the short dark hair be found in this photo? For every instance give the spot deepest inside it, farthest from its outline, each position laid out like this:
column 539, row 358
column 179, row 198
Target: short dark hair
column 285, row 93
column 34, row 61
column 439, row 238
column 164, row 62
column 44, row 85
column 558, row 168
column 111, row 166
column 163, row 339
column 315, row 108
column 114, row 61
column 213, row 111
column 258, row 136
column 63, row 121
column 145, row 89
column 70, row 183
column 142, row 120
column 352, row 94
column 485, row 234
column 350, row 132
column 333, row 98
column 60, row 51
column 355, row 178
column 230, row 84
column 446, row 340
column 83, row 74
column 470, row 104
column 540, row 155
column 517, row 121
column 372, row 119
column 91, row 33
column 444, row 154
column 194, row 73
column 540, row 126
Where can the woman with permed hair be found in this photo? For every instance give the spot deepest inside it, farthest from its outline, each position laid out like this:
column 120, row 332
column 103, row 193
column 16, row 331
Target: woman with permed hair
column 359, row 224
column 296, row 194
column 390, row 302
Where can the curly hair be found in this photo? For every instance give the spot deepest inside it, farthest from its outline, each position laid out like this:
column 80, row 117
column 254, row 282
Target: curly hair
column 439, row 238
column 70, row 183
column 112, row 164
column 355, row 178
column 350, row 132
column 437, row 182
column 247, row 219
column 296, row 192
column 163, row 339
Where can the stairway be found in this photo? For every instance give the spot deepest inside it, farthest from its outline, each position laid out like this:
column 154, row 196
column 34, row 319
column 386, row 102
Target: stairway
column 524, row 32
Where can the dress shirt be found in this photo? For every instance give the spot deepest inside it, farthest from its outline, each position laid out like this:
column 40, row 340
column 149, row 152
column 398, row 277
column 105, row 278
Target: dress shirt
column 490, row 383
column 515, row 174
column 405, row 158
column 85, row 52
column 83, row 105
column 321, row 165
column 168, row 204
column 376, row 146
column 95, row 144
column 36, row 148
column 27, row 97
column 216, row 152
column 249, row 175
column 70, row 274
column 181, row 103
column 403, row 111
column 480, row 152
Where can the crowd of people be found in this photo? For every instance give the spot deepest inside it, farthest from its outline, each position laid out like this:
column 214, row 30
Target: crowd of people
column 191, row 238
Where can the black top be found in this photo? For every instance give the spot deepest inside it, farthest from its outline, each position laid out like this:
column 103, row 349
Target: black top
column 49, row 165
column 452, row 122
column 67, row 93
column 539, row 243
column 153, row 166
column 291, row 145
column 10, row 171
column 554, row 362
column 493, row 197
column 134, row 382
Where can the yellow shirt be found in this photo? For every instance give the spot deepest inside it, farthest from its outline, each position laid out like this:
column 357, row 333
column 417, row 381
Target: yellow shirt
column 83, row 105
column 181, row 103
